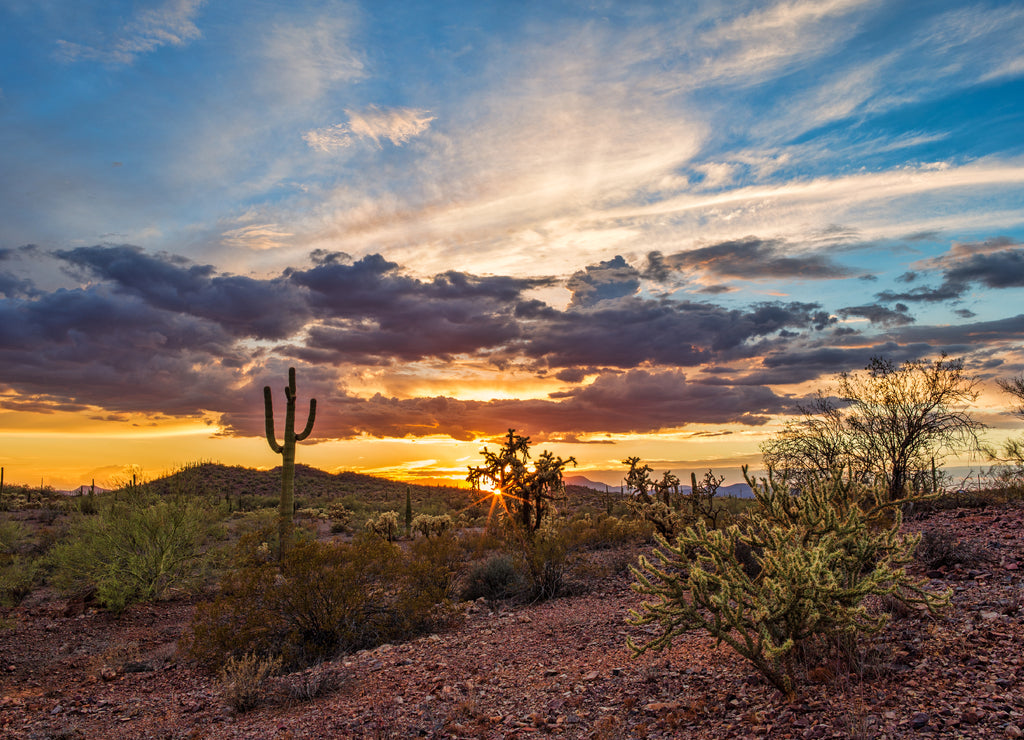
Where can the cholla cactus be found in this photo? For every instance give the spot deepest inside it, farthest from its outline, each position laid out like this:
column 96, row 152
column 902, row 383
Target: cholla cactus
column 385, row 525
column 287, row 452
column 817, row 556
column 432, row 525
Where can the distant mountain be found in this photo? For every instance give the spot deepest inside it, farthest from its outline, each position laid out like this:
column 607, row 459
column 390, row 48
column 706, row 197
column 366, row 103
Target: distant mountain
column 739, row 490
column 579, row 480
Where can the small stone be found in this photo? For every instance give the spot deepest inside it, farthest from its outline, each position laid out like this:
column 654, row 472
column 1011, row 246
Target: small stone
column 592, row 676
column 919, row 720
column 1013, row 731
column 971, row 717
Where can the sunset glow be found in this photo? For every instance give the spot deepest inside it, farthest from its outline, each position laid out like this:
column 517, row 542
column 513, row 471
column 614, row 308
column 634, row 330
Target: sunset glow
column 618, row 228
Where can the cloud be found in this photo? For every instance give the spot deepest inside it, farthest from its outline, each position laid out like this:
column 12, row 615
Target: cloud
column 303, row 59
column 879, row 314
column 171, row 24
column 754, row 258
column 397, row 125
column 93, row 347
column 637, row 401
column 257, row 236
column 242, row 306
column 371, row 312
column 770, row 39
column 634, row 331
column 995, row 263
column 608, row 280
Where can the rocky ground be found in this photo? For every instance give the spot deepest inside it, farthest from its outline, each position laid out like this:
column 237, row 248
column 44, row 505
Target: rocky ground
column 559, row 668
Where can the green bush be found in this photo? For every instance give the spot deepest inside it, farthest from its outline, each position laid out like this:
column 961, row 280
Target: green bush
column 133, row 551
column 12, row 535
column 19, row 574
column 816, row 557
column 322, row 600
column 494, row 579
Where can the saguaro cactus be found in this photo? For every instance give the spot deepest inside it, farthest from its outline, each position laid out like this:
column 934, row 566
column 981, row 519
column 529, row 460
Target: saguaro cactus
column 287, row 453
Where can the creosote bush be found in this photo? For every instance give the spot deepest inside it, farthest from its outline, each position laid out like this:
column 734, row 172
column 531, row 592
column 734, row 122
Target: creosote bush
column 494, row 579
column 817, row 556
column 325, row 599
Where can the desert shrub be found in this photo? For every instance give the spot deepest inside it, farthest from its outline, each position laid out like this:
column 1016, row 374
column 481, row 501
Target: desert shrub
column 494, row 579
column 322, row 600
column 242, row 680
column 939, row 547
column 19, row 574
column 543, row 558
column 311, row 683
column 598, row 532
column 818, row 556
column 132, row 551
column 12, row 534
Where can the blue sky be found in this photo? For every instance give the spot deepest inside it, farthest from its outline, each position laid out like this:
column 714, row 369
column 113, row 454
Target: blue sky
column 622, row 228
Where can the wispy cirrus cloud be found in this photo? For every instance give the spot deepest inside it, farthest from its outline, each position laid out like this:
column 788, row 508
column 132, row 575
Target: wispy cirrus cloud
column 397, row 125
column 171, row 24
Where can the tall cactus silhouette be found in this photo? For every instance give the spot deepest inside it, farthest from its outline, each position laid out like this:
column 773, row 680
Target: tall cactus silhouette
column 287, row 453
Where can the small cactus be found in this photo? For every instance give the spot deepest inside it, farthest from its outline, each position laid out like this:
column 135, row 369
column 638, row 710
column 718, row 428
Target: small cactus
column 287, row 452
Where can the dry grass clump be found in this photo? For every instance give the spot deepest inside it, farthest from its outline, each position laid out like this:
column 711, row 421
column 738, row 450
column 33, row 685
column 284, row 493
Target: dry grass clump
column 242, row 680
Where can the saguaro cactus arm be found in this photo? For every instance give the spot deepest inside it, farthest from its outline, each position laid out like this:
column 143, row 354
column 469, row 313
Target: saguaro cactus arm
column 309, row 422
column 268, row 405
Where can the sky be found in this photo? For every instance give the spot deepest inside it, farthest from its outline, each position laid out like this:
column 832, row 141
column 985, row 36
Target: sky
column 644, row 228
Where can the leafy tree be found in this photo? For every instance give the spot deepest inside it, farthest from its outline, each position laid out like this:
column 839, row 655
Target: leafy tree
column 796, row 572
column 525, row 488
column 890, row 424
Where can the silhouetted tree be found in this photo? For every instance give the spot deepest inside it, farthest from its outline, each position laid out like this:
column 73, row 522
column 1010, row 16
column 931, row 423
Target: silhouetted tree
column 889, row 423
column 525, row 488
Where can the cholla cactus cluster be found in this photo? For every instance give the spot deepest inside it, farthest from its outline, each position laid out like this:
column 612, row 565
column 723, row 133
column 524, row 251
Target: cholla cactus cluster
column 817, row 555
column 384, row 525
column 428, row 525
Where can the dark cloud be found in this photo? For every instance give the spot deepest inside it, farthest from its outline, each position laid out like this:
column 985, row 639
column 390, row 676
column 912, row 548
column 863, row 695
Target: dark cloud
column 663, row 332
column 371, row 311
column 876, row 314
column 161, row 335
column 716, row 289
column 608, row 280
column 754, row 259
column 96, row 347
column 993, row 263
column 636, row 401
column 656, row 269
column 245, row 307
column 945, row 292
column 1002, row 269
